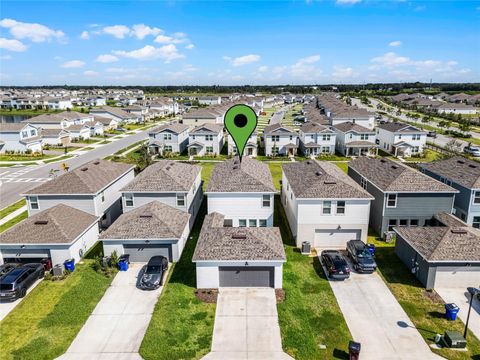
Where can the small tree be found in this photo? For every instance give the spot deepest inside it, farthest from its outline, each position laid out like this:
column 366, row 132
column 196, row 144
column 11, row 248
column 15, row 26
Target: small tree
column 144, row 158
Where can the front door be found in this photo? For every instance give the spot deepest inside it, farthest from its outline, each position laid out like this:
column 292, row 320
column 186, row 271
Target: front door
column 193, row 151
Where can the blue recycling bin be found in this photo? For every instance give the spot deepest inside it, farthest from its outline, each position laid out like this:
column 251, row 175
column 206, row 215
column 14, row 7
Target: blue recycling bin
column 371, row 248
column 123, row 265
column 451, row 311
column 69, row 265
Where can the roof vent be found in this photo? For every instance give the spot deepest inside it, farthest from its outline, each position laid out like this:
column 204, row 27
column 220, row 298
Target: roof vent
column 146, row 216
column 472, row 166
column 329, row 182
column 309, row 162
column 461, row 161
column 236, row 162
column 458, row 231
column 167, row 168
column 172, row 164
column 235, row 167
column 96, row 162
column 383, row 160
column 240, row 235
column 394, row 166
column 84, row 169
column 318, row 173
column 41, row 222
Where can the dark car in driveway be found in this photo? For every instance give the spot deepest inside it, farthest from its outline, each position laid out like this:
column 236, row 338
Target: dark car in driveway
column 152, row 277
column 6, row 268
column 336, row 265
column 15, row 283
column 362, row 258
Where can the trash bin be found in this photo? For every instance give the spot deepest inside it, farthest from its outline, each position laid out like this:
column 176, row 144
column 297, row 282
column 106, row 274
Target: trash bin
column 306, row 247
column 124, row 257
column 354, row 350
column 371, row 248
column 451, row 311
column 69, row 265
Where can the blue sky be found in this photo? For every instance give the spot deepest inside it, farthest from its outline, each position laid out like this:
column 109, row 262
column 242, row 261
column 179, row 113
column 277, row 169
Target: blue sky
column 248, row 42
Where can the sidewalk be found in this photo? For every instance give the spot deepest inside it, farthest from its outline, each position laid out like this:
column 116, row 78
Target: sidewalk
column 13, row 214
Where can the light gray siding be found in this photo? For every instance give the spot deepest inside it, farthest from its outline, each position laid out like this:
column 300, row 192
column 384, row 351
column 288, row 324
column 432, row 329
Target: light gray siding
column 80, row 202
column 410, row 257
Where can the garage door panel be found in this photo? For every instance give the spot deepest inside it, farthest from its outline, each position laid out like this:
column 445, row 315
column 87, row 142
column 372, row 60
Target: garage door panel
column 457, row 277
column 26, row 253
column 246, row 276
column 143, row 253
column 334, row 238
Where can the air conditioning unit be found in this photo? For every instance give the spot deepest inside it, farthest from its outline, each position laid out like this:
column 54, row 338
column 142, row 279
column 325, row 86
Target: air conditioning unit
column 453, row 339
column 389, row 236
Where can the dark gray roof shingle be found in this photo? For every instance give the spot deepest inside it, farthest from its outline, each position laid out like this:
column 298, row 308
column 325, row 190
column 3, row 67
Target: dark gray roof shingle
column 349, row 126
column 463, row 171
column 399, row 127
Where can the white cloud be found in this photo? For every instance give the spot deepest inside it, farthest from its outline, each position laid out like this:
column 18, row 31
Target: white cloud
column 85, row 35
column 263, row 68
column 148, row 52
column 395, row 43
column 33, row 31
column 12, row 45
column 242, row 60
column 189, row 68
column 391, row 59
column 342, row 72
column 5, row 57
column 305, row 67
column 90, row 73
column 452, row 63
column 73, row 64
column 142, row 30
column 106, row 58
column 118, row 31
column 189, row 46
column 347, row 2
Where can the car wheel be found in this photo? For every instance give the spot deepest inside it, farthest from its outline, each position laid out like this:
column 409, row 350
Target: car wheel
column 22, row 293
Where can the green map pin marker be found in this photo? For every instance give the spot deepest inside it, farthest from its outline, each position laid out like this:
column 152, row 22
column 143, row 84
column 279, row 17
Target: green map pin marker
column 240, row 121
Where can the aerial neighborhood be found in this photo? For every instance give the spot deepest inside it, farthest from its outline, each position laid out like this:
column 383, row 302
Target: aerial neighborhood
column 329, row 187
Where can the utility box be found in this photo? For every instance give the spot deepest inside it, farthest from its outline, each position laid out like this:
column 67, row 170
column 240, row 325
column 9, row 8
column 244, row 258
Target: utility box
column 453, row 339
column 58, row 270
column 306, row 248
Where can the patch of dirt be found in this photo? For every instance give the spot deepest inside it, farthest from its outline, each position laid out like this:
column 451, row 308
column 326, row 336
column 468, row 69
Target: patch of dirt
column 280, row 295
column 433, row 296
column 208, row 296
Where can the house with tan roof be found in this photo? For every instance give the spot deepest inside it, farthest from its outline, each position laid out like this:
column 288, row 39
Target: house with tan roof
column 93, row 187
column 355, row 140
column 316, row 139
column 251, row 147
column 401, row 139
column 168, row 138
column 280, row 140
column 206, row 139
column 20, row 137
column 117, row 114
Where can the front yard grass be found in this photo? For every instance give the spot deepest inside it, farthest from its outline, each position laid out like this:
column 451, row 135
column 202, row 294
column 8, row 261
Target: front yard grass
column 424, row 308
column 207, row 168
column 181, row 325
column 11, row 208
column 13, row 221
column 45, row 323
column 310, row 315
column 24, row 157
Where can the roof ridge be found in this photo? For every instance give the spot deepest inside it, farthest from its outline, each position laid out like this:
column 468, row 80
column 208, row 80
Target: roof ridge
column 57, row 225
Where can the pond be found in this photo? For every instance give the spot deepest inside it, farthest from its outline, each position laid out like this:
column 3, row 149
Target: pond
column 13, row 118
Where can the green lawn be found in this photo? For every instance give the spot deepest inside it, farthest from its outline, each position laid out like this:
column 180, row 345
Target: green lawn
column 276, row 170
column 342, row 165
column 20, row 157
column 45, row 323
column 13, row 221
column 425, row 309
column 309, row 316
column 11, row 208
column 30, row 112
column 181, row 325
column 428, row 156
column 207, row 168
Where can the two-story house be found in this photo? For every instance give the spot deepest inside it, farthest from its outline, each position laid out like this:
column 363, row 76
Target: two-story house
column 354, row 140
column 117, row 114
column 280, row 140
column 401, row 139
column 316, row 139
column 206, row 139
column 464, row 175
column 169, row 138
column 196, row 117
column 403, row 196
column 354, row 115
column 20, row 137
column 93, row 187
column 243, row 192
column 323, row 205
column 251, row 147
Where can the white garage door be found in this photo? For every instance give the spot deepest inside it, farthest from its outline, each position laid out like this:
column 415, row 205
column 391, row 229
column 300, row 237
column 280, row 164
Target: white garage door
column 334, row 238
column 461, row 277
column 10, row 255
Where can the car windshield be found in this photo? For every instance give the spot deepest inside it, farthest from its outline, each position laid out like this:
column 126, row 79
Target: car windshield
column 153, row 269
column 365, row 253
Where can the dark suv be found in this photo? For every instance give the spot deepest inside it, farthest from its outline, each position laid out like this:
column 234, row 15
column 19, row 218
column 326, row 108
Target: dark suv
column 335, row 264
column 361, row 256
column 15, row 283
column 152, row 278
column 6, row 268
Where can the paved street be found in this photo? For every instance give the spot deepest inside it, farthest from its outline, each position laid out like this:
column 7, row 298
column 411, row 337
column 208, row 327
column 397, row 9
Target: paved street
column 16, row 180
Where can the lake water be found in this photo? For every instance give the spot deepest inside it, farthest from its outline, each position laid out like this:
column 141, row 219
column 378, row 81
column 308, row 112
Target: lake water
column 13, row 118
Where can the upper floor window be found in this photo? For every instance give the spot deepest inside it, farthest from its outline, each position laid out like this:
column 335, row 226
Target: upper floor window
column 276, row 138
column 265, row 200
column 25, row 134
column 180, row 199
column 327, row 207
column 416, row 137
column 32, row 132
column 312, row 137
column 363, row 182
column 326, row 137
column 128, row 200
column 34, row 203
column 167, row 136
column 392, row 200
column 340, row 207
column 102, row 196
column 363, row 136
column 242, row 223
column 351, row 136
column 476, row 197
column 209, row 137
column 262, row 222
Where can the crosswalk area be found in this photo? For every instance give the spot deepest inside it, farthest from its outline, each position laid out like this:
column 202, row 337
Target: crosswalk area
column 17, row 176
column 22, row 180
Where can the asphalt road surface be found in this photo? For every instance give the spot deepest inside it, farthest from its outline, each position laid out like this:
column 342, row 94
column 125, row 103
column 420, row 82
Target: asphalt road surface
column 14, row 181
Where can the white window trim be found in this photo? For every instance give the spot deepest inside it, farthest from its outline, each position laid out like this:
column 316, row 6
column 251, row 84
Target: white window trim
column 133, row 203
column 396, row 200
column 183, row 197
column 30, row 202
column 323, row 208
column 474, row 195
column 256, row 222
column 269, row 201
column 344, row 208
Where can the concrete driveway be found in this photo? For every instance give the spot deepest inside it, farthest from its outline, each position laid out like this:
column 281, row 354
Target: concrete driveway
column 7, row 306
column 461, row 297
column 119, row 321
column 377, row 321
column 246, row 325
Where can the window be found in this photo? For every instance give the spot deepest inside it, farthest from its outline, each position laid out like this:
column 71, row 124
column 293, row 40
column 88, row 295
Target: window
column 209, row 137
column 363, row 182
column 416, row 137
column 102, row 196
column 32, row 132
column 476, row 222
column 128, row 200
column 327, row 207
column 227, row 222
column 415, row 149
column 291, row 137
column 391, row 224
column 167, row 136
column 275, row 138
column 24, row 134
column 252, row 223
column 392, row 200
column 180, row 199
column 403, row 222
column 167, row 148
column 413, row 222
column 265, row 200
column 34, row 203
column 476, row 197
column 242, row 223
column 325, row 149
column 326, row 137
column 262, row 222
column 399, row 137
column 351, row 136
column 193, row 137
column 341, row 207
column 312, row 137
column 209, row 149
column 363, row 136
column 275, row 150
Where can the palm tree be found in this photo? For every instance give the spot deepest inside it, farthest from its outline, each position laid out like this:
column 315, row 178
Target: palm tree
column 144, row 159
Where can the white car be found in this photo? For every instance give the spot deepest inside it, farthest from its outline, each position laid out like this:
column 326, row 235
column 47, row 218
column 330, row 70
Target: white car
column 474, row 151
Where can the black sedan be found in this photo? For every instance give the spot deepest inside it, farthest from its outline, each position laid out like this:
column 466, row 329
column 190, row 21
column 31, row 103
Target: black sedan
column 335, row 264
column 155, row 270
column 15, row 283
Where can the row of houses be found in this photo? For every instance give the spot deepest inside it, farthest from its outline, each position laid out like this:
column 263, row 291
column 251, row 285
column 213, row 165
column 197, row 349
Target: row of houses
column 442, row 103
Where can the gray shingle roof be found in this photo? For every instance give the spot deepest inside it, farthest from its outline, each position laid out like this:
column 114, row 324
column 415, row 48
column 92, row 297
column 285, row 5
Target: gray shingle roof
column 154, row 220
column 12, row 127
column 270, row 128
column 86, row 179
column 399, row 127
column 463, row 171
column 165, row 176
column 314, row 127
column 349, row 126
column 242, row 244
column 322, row 180
column 392, row 176
column 176, row 128
column 60, row 224
column 247, row 176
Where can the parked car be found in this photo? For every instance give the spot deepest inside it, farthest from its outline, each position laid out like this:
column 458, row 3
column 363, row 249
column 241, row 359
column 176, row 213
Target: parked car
column 361, row 256
column 335, row 264
column 471, row 150
column 152, row 278
column 432, row 134
column 6, row 268
column 15, row 284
